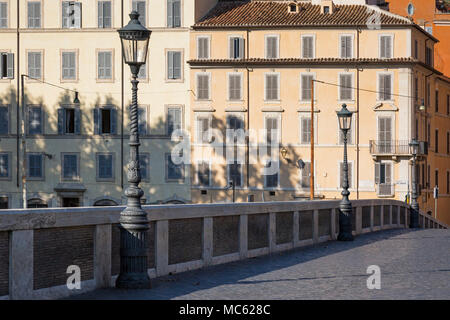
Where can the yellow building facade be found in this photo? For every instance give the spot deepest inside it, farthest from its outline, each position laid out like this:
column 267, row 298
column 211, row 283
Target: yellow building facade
column 251, row 67
column 76, row 154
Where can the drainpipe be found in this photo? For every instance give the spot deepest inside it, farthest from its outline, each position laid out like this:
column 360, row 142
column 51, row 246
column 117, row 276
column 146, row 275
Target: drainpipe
column 358, row 31
column 17, row 95
column 122, row 103
column 248, row 115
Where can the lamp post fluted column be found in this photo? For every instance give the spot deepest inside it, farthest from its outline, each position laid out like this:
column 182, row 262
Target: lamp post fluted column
column 345, row 206
column 133, row 219
column 414, row 212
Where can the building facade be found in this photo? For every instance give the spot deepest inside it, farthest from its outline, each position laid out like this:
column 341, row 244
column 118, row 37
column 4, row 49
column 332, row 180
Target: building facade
column 251, row 67
column 75, row 154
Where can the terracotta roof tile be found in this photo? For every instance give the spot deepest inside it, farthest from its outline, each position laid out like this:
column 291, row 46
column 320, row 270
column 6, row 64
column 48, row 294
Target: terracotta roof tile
column 275, row 13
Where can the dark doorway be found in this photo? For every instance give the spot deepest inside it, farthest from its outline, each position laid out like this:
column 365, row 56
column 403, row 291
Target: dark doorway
column 70, row 202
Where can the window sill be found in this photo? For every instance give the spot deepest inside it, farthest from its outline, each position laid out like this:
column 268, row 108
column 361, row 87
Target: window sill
column 105, row 180
column 35, row 179
column 272, row 101
column 70, row 180
column 68, row 80
column 174, row 80
column 5, row 178
column 175, row 180
column 104, row 80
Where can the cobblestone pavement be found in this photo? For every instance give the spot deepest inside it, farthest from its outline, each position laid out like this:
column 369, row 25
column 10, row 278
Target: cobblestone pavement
column 414, row 265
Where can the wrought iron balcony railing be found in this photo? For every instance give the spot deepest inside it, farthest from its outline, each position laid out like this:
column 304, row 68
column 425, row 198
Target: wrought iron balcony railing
column 395, row 147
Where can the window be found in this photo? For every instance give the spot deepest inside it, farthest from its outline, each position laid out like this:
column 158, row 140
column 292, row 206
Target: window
column 308, row 47
column 35, row 120
column 235, row 122
column 71, row 14
column 416, row 88
column 68, row 66
column 174, row 171
column 104, row 14
column 69, row 120
column 34, row 65
column 384, row 87
column 383, row 178
column 36, row 203
column 173, row 119
column 234, row 86
column 142, row 120
column 202, row 47
column 105, row 166
column 345, row 87
column 104, row 65
column 4, row 202
column 273, row 129
column 416, row 49
column 292, row 8
column 34, row 14
column 305, row 180
column 144, row 164
column 203, row 125
column 428, row 94
column 272, row 45
column 235, row 174
column 385, row 47
column 3, row 15
column 203, row 173
column 173, row 13
column 448, row 142
column 271, row 177
column 202, row 86
column 35, row 166
column 410, row 9
column 428, row 176
column 105, row 120
column 236, row 47
column 272, row 86
column 350, row 175
column 6, row 65
column 385, row 134
column 448, row 104
column 429, row 30
column 428, row 133
column 306, row 87
column 139, row 6
column 448, row 182
column 347, row 46
column 436, row 101
column 305, row 123
column 326, row 9
column 70, row 166
column 436, row 140
column 429, row 56
column 173, row 65
column 436, row 178
column 4, row 166
column 4, row 119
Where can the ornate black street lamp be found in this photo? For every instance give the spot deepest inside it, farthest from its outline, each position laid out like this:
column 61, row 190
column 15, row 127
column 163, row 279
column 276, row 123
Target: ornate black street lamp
column 414, row 212
column 133, row 219
column 345, row 206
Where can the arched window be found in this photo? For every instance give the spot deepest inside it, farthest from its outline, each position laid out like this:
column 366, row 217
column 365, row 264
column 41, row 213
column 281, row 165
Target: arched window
column 105, row 203
column 36, row 203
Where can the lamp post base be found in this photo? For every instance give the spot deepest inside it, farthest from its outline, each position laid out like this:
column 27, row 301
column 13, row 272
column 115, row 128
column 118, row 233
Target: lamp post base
column 414, row 219
column 345, row 236
column 133, row 281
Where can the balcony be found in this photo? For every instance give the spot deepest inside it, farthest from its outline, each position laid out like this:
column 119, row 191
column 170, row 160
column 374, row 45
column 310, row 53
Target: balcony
column 395, row 148
column 385, row 189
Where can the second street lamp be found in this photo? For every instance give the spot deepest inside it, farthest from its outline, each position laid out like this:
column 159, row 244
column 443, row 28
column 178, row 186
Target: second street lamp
column 133, row 219
column 414, row 212
column 345, row 206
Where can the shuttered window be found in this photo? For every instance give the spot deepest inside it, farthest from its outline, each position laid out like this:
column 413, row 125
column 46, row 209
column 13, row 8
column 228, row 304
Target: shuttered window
column 305, row 176
column 35, row 65
column 234, row 86
column 202, row 86
column 236, row 47
column 68, row 65
column 35, row 166
column 203, row 173
column 305, row 129
column 174, row 171
column 139, row 6
column 71, row 14
column 385, row 87
column 34, row 120
column 271, row 179
column 234, row 174
column 306, row 87
column 272, row 129
column 70, row 166
column 346, row 46
column 308, row 47
column 173, row 119
column 144, row 164
column 271, row 47
column 104, row 68
column 6, row 65
column 105, row 166
column 350, row 174
column 4, row 165
column 173, row 13
column 203, row 48
column 272, row 87
column 104, row 14
column 142, row 119
column 235, row 123
column 34, row 14
column 69, row 121
column 3, row 15
column 385, row 134
column 345, row 87
column 4, row 120
column 383, row 173
column 173, row 65
column 105, row 120
column 203, row 125
column 385, row 47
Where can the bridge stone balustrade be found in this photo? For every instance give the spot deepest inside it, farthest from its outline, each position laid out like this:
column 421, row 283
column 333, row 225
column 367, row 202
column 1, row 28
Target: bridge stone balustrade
column 38, row 245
